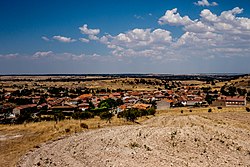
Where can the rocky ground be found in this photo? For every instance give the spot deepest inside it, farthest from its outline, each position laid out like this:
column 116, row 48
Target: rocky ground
column 208, row 139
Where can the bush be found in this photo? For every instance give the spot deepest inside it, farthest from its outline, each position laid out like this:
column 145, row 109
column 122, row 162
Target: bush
column 106, row 116
column 209, row 110
column 133, row 114
column 83, row 125
column 130, row 115
column 190, row 111
column 82, row 115
column 219, row 108
column 86, row 115
column 181, row 111
column 247, row 109
column 151, row 111
column 59, row 116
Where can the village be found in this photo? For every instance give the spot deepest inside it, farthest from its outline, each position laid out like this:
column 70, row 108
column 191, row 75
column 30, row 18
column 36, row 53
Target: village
column 43, row 102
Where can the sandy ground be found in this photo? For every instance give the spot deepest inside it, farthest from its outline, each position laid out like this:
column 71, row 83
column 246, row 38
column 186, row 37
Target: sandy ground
column 209, row 139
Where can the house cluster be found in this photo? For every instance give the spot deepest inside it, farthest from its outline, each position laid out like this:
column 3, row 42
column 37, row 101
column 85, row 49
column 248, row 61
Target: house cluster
column 191, row 96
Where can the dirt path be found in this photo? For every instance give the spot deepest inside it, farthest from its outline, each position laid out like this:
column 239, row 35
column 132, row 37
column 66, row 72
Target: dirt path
column 185, row 140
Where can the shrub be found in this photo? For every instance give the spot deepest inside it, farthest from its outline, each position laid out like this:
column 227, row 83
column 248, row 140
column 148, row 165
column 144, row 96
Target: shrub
column 83, row 125
column 247, row 109
column 106, row 115
column 151, row 111
column 209, row 110
column 59, row 116
column 219, row 108
column 132, row 114
column 190, row 111
column 86, row 115
column 67, row 130
column 133, row 145
column 181, row 111
column 82, row 115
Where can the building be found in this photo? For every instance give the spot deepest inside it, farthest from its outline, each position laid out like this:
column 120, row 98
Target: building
column 24, row 108
column 230, row 101
column 235, row 100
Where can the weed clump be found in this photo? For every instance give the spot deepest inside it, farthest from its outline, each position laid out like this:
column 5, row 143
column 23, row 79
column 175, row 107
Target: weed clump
column 83, row 125
column 134, row 145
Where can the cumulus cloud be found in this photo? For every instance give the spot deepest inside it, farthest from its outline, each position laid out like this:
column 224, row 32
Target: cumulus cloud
column 209, row 36
column 141, row 38
column 173, row 18
column 76, row 57
column 39, row 55
column 9, row 56
column 93, row 37
column 85, row 30
column 205, row 3
column 63, row 39
column 138, row 42
column 91, row 33
column 63, row 56
column 84, row 40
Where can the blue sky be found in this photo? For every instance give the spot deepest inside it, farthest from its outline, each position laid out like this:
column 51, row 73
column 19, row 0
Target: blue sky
column 129, row 36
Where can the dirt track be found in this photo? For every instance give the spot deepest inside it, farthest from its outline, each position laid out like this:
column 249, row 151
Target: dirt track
column 210, row 139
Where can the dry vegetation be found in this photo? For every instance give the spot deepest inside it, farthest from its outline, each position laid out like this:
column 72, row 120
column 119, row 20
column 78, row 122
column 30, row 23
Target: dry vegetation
column 169, row 139
column 16, row 140
column 122, row 83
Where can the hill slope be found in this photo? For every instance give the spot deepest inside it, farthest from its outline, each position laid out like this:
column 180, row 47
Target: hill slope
column 208, row 139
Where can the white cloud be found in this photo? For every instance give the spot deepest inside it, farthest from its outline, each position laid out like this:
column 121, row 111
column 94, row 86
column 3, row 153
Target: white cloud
column 205, row 3
column 63, row 39
column 63, row 56
column 9, row 56
column 39, row 55
column 141, row 38
column 85, row 30
column 77, row 57
column 84, row 40
column 93, row 37
column 209, row 36
column 208, row 16
column 138, row 42
column 45, row 38
column 173, row 18
column 104, row 39
column 91, row 33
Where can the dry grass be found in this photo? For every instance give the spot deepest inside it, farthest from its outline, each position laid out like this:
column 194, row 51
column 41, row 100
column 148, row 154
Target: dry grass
column 119, row 83
column 33, row 134
column 186, row 110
